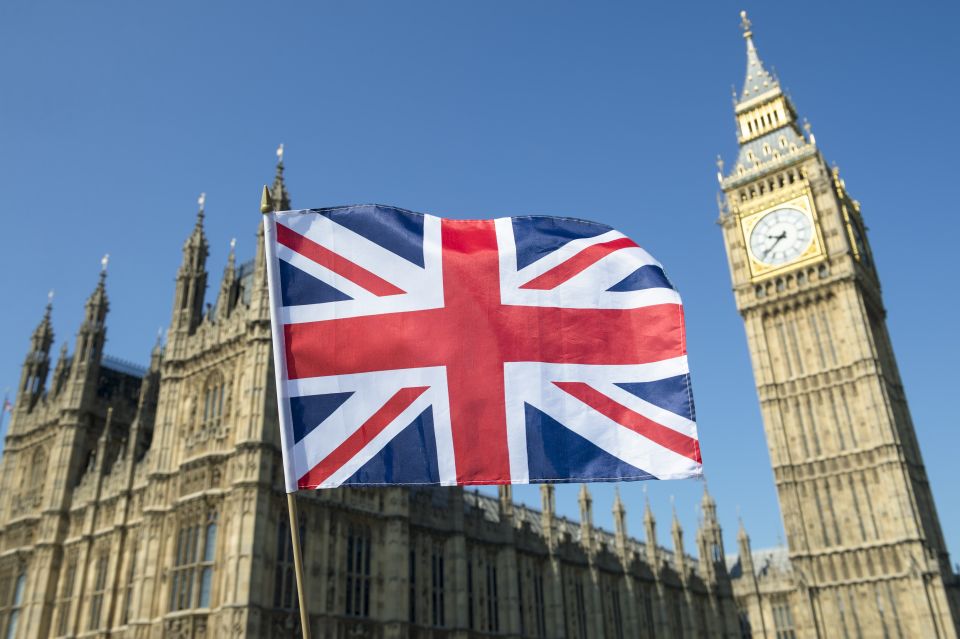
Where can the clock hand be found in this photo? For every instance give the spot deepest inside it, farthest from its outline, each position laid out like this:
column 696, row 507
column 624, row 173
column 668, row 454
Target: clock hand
column 772, row 246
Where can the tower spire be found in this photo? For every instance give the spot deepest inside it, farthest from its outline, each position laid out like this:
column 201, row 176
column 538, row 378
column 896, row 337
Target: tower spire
column 228, row 285
column 586, row 516
column 758, row 80
column 767, row 127
column 37, row 363
column 677, row 533
column 90, row 339
column 191, row 277
column 620, row 524
column 650, row 529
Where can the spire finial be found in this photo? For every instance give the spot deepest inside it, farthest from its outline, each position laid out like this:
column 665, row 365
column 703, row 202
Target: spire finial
column 745, row 24
column 280, row 153
column 50, row 298
column 266, row 202
column 809, row 130
column 103, row 264
column 201, row 201
column 233, row 244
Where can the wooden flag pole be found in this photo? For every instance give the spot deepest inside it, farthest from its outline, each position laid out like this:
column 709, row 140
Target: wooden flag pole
column 266, row 206
column 298, row 563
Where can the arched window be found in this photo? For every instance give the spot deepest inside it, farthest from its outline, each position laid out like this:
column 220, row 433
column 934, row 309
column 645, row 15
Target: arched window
column 192, row 574
column 284, row 578
column 358, row 571
column 13, row 617
column 99, row 589
column 211, row 402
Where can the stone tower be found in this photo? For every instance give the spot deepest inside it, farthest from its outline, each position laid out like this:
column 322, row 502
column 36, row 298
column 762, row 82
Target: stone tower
column 863, row 535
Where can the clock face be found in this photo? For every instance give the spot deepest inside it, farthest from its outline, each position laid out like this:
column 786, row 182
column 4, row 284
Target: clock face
column 781, row 236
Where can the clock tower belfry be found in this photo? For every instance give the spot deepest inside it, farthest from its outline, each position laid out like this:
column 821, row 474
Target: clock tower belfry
column 865, row 543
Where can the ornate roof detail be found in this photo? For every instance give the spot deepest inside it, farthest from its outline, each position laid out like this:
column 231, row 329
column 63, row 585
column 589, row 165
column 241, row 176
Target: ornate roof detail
column 758, row 79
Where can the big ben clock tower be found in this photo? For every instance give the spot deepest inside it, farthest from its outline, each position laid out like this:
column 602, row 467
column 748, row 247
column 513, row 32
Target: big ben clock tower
column 864, row 539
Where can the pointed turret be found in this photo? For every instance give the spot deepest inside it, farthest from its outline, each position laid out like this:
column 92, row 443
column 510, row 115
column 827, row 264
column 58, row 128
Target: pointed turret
column 142, row 429
column 93, row 331
column 37, row 363
column 586, row 516
column 650, row 529
column 743, row 546
column 547, row 510
column 758, row 80
column 619, row 523
column 61, row 371
column 677, row 533
column 228, row 285
column 279, row 200
column 191, row 278
column 506, row 501
column 710, row 535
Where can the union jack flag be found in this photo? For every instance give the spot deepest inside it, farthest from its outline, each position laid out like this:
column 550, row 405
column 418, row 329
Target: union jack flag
column 411, row 349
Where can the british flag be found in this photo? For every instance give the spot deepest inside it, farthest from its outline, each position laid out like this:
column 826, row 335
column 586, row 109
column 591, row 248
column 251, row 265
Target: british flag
column 412, row 349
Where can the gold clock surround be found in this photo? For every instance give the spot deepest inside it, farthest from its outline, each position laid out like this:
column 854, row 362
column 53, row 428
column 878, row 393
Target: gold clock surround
column 814, row 252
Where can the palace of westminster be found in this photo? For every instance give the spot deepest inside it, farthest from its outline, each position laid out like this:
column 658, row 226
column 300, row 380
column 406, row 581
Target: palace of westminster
column 150, row 502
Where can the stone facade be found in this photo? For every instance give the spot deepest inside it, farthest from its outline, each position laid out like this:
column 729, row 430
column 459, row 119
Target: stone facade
column 866, row 555
column 150, row 503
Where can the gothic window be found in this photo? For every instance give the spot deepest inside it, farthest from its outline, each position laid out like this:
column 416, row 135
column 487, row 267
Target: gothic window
column 413, row 584
column 284, row 574
column 521, row 601
column 192, row 574
column 783, row 620
column 437, row 617
column 579, row 608
column 358, row 571
column 678, row 617
column 483, row 612
column 12, row 606
column 212, row 406
column 648, row 611
column 99, row 589
column 616, row 614
column 131, row 574
column 766, row 149
column 493, row 612
column 539, row 607
column 782, row 141
column 64, row 603
column 471, row 616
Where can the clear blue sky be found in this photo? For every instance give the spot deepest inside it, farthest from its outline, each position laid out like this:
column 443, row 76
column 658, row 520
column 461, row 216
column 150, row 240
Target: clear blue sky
column 114, row 116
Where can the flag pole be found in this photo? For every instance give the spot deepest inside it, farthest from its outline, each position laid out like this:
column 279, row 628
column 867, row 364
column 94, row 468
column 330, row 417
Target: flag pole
column 266, row 206
column 298, row 563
